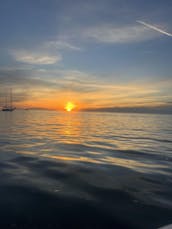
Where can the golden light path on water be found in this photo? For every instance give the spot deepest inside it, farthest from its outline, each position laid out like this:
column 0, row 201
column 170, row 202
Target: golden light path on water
column 127, row 140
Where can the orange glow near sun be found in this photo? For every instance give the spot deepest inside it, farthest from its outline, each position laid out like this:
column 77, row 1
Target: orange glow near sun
column 69, row 106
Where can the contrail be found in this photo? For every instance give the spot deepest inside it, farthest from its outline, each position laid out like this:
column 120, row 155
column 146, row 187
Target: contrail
column 154, row 28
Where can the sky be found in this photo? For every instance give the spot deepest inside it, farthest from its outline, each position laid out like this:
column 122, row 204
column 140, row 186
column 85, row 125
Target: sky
column 98, row 54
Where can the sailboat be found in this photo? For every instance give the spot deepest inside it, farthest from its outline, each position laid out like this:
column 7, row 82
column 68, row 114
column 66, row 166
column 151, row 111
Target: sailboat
column 9, row 104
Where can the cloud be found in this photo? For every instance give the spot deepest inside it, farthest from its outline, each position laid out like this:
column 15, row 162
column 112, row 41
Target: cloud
column 62, row 45
column 116, row 34
column 155, row 28
column 52, row 88
column 30, row 57
column 44, row 54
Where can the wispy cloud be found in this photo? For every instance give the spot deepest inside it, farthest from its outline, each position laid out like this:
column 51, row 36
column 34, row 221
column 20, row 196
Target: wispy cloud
column 30, row 57
column 57, row 86
column 155, row 28
column 116, row 34
column 62, row 45
column 44, row 54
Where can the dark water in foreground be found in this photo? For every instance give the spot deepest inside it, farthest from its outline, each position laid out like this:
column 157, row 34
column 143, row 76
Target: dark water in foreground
column 85, row 170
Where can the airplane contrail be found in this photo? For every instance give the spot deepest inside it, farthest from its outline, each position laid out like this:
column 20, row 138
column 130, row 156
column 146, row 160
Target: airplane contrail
column 154, row 28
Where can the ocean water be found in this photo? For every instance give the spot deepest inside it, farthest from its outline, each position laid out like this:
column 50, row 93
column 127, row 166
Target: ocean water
column 85, row 170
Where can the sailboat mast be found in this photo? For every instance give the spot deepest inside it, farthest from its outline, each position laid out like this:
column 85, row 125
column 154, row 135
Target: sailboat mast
column 11, row 99
column 9, row 102
column 6, row 101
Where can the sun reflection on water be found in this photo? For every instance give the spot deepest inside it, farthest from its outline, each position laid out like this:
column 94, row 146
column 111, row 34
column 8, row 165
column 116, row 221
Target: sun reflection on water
column 98, row 138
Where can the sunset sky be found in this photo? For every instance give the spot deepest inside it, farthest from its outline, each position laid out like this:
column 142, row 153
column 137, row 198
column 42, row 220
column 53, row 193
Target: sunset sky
column 96, row 54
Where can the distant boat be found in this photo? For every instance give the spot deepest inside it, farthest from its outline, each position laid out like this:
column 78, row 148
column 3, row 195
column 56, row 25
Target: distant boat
column 9, row 104
column 8, row 108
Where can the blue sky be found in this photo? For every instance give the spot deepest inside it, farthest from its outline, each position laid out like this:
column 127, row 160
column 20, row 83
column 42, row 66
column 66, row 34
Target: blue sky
column 101, row 51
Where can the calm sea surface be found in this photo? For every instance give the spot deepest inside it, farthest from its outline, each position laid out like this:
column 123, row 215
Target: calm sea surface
column 85, row 170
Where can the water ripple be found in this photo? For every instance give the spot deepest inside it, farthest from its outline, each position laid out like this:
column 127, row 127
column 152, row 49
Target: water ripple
column 117, row 167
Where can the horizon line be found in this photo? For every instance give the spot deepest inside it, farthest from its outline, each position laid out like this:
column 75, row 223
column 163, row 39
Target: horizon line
column 141, row 110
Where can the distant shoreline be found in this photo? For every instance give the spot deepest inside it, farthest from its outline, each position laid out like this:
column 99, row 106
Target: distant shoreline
column 110, row 110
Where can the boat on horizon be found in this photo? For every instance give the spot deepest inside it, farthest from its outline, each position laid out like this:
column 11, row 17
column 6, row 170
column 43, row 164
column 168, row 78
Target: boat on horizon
column 9, row 104
column 8, row 108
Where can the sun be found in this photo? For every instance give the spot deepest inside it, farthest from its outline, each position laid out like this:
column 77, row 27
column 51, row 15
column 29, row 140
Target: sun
column 69, row 106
